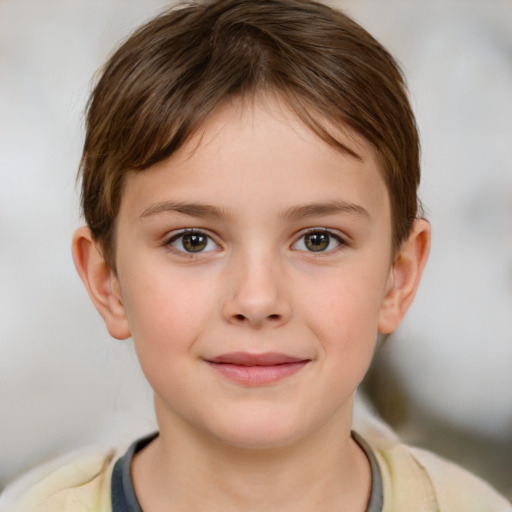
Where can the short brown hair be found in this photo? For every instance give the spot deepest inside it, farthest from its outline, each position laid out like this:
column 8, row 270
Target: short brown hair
column 173, row 72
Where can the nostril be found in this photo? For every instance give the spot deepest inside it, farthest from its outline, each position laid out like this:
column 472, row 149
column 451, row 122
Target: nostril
column 274, row 317
column 240, row 317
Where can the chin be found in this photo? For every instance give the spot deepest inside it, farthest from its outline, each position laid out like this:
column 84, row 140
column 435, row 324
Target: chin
column 253, row 433
column 260, row 441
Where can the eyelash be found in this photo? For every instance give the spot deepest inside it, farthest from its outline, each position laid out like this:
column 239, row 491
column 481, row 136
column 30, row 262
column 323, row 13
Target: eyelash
column 330, row 236
column 326, row 232
column 169, row 242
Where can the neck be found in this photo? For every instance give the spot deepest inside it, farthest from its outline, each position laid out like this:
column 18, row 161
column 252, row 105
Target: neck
column 184, row 470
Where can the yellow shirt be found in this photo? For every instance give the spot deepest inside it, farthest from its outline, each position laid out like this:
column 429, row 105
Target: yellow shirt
column 413, row 480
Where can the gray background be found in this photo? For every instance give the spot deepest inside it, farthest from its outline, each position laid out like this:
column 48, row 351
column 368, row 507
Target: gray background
column 64, row 382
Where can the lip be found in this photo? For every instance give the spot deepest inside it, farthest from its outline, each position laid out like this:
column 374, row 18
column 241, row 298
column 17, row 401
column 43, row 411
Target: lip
column 256, row 369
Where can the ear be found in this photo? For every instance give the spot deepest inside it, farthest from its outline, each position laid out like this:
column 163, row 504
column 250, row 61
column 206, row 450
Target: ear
column 101, row 283
column 405, row 275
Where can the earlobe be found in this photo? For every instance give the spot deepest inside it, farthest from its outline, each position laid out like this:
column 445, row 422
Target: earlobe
column 101, row 283
column 405, row 277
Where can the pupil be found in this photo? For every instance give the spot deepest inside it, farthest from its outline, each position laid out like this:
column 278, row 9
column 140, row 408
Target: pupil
column 317, row 241
column 194, row 242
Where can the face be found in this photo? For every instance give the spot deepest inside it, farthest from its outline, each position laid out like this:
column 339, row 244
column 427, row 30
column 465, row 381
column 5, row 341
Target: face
column 252, row 266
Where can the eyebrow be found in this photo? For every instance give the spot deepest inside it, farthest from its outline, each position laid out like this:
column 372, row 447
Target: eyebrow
column 294, row 213
column 184, row 208
column 321, row 209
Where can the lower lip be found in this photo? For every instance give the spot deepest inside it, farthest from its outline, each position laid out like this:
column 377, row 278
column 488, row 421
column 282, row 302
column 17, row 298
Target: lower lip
column 257, row 375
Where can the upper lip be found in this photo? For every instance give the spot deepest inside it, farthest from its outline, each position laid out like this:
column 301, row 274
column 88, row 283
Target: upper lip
column 246, row 359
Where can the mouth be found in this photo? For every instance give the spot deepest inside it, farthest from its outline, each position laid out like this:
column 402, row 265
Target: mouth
column 256, row 369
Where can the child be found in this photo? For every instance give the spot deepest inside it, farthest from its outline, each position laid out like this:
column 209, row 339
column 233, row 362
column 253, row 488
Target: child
column 249, row 182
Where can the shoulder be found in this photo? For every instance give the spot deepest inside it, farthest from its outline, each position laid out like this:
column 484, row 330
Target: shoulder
column 78, row 482
column 415, row 479
column 455, row 488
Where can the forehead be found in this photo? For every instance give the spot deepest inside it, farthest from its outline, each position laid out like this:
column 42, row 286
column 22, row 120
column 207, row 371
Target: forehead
column 258, row 153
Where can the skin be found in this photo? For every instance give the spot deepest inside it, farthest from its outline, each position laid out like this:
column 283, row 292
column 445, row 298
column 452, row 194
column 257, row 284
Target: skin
column 254, row 182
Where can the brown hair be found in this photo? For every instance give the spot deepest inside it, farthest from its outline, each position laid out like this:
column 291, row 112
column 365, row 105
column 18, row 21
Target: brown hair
column 173, row 72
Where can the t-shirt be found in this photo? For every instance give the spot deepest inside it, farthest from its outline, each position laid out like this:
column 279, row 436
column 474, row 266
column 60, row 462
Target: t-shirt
column 125, row 500
column 411, row 480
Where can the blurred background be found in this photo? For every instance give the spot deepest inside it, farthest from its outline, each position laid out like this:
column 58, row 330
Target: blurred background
column 444, row 379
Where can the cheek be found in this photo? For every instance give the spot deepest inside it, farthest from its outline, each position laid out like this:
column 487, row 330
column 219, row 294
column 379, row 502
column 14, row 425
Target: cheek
column 167, row 316
column 166, row 309
column 343, row 311
column 347, row 328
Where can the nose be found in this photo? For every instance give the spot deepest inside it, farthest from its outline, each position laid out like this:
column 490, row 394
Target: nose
column 257, row 294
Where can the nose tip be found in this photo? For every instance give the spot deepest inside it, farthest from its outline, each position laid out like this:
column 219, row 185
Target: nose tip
column 253, row 319
column 254, row 316
column 257, row 298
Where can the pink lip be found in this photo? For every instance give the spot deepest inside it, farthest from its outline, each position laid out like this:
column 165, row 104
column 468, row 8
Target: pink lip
column 256, row 369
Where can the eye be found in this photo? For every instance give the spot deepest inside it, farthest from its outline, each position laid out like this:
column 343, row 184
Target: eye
column 192, row 242
column 318, row 241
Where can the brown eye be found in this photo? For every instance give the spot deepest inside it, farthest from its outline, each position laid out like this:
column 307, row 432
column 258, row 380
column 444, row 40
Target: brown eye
column 193, row 242
column 318, row 241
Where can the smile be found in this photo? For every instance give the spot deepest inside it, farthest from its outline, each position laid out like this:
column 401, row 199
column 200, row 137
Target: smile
column 256, row 369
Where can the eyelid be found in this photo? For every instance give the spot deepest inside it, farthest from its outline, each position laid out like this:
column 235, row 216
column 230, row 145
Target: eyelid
column 340, row 238
column 175, row 235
